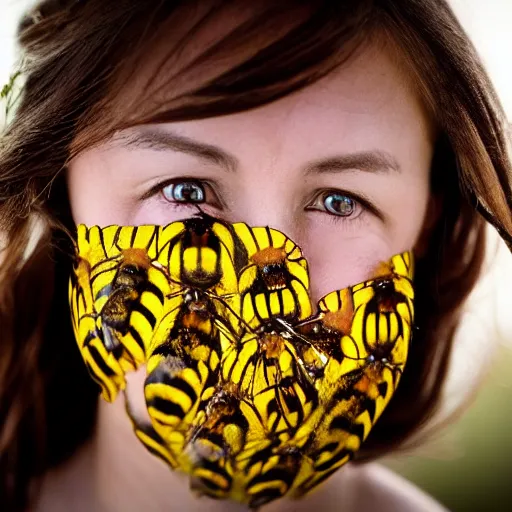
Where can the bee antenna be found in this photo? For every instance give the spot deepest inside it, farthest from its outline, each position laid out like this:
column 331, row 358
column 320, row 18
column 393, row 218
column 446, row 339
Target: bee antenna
column 200, row 213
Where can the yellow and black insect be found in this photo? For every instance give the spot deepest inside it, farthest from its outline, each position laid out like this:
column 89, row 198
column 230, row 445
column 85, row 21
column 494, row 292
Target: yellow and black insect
column 275, row 282
column 264, row 364
column 356, row 388
column 248, row 391
column 186, row 350
column 215, row 440
column 182, row 369
column 116, row 298
column 103, row 365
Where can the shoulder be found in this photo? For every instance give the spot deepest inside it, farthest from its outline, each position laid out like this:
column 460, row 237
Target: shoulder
column 379, row 485
column 363, row 488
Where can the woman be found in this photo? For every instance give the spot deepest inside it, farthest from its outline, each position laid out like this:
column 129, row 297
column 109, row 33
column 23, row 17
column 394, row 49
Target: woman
column 360, row 129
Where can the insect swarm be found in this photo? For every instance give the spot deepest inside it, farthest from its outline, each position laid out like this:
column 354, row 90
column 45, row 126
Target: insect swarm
column 249, row 392
column 185, row 355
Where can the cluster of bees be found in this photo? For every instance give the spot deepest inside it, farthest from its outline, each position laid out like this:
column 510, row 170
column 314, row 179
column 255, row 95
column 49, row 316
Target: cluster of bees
column 249, row 391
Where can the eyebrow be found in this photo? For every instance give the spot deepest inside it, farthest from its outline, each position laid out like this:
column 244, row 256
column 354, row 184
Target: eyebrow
column 164, row 140
column 376, row 161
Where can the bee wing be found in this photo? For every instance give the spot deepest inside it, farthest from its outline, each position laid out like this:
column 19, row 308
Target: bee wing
column 352, row 401
column 102, row 364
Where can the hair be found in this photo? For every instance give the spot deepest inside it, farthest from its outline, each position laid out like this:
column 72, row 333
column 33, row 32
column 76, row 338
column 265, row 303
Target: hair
column 77, row 57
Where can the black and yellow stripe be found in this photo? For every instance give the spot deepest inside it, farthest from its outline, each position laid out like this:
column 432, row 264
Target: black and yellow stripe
column 247, row 391
column 214, row 443
column 116, row 298
column 275, row 281
column 270, row 471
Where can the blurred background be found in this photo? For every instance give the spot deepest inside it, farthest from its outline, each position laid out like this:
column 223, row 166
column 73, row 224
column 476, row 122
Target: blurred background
column 467, row 466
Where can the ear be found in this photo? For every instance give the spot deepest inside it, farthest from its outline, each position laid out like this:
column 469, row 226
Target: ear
column 432, row 214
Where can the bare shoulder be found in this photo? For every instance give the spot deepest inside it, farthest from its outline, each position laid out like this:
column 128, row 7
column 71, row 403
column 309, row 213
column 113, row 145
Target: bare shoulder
column 379, row 485
column 363, row 488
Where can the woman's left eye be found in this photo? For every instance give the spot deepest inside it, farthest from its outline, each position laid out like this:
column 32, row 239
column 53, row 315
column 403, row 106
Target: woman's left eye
column 336, row 203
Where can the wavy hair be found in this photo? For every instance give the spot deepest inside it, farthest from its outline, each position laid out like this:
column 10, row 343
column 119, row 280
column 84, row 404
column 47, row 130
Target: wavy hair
column 79, row 54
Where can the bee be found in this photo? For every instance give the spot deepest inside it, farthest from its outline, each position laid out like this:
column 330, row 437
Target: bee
column 264, row 364
column 275, row 282
column 152, row 440
column 202, row 315
column 268, row 373
column 270, row 468
column 116, row 298
column 131, row 311
column 354, row 395
column 102, row 365
column 217, row 438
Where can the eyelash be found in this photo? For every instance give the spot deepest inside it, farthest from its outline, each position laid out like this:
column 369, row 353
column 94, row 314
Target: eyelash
column 158, row 190
column 364, row 204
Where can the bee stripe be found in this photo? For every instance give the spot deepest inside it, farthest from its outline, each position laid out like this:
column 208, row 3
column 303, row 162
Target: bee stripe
column 213, row 476
column 100, row 362
column 166, row 407
column 335, row 461
column 146, row 313
column 155, row 290
column 277, row 477
column 154, row 443
column 341, row 422
column 136, row 337
column 317, row 478
column 101, row 382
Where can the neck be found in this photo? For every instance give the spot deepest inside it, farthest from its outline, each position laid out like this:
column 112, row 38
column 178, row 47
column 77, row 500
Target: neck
column 115, row 472
column 130, row 478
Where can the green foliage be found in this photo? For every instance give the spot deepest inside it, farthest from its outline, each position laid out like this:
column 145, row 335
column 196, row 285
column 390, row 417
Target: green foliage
column 10, row 95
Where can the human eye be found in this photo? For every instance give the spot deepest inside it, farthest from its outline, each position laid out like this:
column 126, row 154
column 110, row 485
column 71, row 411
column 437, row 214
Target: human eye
column 338, row 204
column 184, row 192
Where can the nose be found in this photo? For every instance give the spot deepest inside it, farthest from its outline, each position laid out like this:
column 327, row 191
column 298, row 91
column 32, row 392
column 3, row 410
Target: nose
column 267, row 206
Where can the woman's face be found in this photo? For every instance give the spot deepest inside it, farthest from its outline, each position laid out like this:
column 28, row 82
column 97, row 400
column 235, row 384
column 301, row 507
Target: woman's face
column 342, row 167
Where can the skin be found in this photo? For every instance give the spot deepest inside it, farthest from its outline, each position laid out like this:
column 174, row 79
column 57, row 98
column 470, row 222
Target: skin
column 361, row 133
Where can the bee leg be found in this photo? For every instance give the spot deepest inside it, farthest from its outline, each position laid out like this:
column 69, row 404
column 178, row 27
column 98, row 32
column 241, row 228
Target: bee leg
column 110, row 340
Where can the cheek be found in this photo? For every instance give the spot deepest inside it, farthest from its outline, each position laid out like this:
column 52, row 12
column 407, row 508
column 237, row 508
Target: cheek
column 341, row 257
column 337, row 262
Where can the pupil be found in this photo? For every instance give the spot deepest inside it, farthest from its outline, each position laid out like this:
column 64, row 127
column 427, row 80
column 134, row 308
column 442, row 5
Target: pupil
column 339, row 204
column 185, row 192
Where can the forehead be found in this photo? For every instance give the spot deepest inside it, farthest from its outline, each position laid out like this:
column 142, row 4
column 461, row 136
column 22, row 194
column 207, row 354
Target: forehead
column 200, row 44
column 370, row 102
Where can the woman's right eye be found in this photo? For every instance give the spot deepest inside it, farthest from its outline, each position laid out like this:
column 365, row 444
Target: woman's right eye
column 184, row 192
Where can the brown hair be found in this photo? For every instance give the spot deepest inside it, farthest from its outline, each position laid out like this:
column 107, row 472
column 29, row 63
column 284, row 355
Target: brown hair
column 79, row 53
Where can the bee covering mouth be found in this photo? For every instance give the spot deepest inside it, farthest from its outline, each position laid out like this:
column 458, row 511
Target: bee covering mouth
column 249, row 391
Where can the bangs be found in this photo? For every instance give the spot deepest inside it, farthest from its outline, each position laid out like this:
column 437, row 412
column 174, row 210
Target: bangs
column 210, row 59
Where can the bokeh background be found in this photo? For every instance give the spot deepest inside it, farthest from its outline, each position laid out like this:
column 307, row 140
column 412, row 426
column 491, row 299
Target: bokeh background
column 467, row 466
